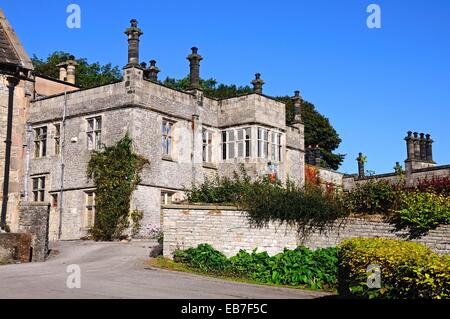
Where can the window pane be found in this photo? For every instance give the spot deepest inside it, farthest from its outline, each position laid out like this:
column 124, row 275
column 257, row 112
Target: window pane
column 240, row 136
column 41, row 196
column 224, row 137
column 35, row 183
column 231, row 150
column 90, row 125
column 247, row 149
column 99, row 123
column 42, row 186
column 209, row 153
column 240, row 149
column 248, row 133
column 90, row 141
column 98, row 141
column 231, row 136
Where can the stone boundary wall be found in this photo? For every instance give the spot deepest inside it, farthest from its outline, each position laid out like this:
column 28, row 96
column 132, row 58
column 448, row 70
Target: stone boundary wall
column 228, row 230
column 34, row 220
column 14, row 248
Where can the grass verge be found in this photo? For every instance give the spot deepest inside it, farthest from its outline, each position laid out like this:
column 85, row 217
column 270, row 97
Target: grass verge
column 168, row 264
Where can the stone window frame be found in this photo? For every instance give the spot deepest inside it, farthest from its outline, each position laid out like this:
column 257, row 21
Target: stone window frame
column 89, row 209
column 263, row 141
column 57, row 138
column 167, row 197
column 228, row 144
column 244, row 139
column 276, row 146
column 38, row 186
column 207, row 146
column 40, row 141
column 167, row 140
column 94, row 133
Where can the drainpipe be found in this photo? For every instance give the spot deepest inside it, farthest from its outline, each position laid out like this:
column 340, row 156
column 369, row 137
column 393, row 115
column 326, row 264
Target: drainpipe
column 27, row 162
column 12, row 83
column 62, row 164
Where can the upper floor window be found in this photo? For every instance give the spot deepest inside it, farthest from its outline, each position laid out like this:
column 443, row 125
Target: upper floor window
column 276, row 147
column 38, row 189
column 166, row 129
column 263, row 143
column 228, row 144
column 40, row 141
column 244, row 138
column 57, row 139
column 207, row 146
column 94, row 133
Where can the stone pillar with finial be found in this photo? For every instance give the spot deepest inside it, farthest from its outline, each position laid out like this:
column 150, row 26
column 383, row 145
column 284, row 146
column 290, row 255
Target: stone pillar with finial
column 297, row 101
column 258, row 84
column 194, row 74
column 153, row 71
column 133, row 33
column 361, row 162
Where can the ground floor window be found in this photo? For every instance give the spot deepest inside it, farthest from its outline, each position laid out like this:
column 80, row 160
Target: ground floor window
column 89, row 214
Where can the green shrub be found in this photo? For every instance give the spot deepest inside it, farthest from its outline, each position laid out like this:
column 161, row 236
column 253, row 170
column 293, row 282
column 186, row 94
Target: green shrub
column 294, row 205
column 408, row 270
column 372, row 197
column 298, row 267
column 421, row 212
column 203, row 258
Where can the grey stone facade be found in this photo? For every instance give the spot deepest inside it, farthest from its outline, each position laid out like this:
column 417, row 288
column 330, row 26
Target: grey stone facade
column 228, row 230
column 139, row 107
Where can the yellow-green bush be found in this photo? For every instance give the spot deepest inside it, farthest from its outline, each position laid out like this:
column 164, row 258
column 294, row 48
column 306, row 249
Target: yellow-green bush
column 408, row 270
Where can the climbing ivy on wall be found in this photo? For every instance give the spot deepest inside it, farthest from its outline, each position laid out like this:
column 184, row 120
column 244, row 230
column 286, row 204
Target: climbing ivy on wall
column 115, row 172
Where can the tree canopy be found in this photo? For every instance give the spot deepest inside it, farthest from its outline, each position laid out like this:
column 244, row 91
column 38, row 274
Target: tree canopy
column 87, row 74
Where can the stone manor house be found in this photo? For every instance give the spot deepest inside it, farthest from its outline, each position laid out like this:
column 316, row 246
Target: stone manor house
column 184, row 135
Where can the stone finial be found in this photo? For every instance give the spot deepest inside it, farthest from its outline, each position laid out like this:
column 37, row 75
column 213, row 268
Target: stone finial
column 361, row 163
column 297, row 101
column 258, row 84
column 194, row 65
column 134, row 34
column 153, row 71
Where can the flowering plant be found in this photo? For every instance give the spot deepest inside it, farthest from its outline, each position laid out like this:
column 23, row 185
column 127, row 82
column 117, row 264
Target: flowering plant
column 155, row 232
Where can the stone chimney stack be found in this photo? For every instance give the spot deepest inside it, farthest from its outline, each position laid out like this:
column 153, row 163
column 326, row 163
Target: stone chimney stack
column 153, row 71
column 423, row 147
column 258, row 84
column 361, row 162
column 416, row 146
column 297, row 101
column 429, row 148
column 420, row 152
column 62, row 71
column 194, row 65
column 134, row 34
column 410, row 146
column 71, row 68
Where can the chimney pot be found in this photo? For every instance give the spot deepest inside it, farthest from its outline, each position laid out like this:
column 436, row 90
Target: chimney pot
column 153, row 71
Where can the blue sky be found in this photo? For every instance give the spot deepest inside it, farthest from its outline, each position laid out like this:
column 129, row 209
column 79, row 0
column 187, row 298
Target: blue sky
column 373, row 84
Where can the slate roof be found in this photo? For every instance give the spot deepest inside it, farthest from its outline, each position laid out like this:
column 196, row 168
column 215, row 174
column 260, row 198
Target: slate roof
column 7, row 52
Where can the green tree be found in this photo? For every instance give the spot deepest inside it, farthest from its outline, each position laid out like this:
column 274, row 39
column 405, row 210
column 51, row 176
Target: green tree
column 318, row 131
column 87, row 74
column 210, row 87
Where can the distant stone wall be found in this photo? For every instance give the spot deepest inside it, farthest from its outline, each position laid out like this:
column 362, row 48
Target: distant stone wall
column 228, row 230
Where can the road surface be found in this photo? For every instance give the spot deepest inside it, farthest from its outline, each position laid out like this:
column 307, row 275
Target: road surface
column 118, row 270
